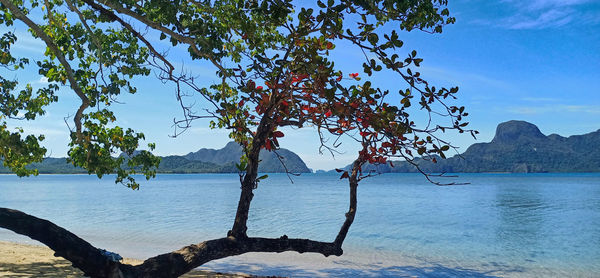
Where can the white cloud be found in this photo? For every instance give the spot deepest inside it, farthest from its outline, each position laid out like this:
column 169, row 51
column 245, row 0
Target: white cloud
column 540, row 99
column 537, row 5
column 583, row 109
column 42, row 81
column 47, row 131
column 548, row 19
column 26, row 42
column 533, row 110
column 457, row 77
column 544, row 14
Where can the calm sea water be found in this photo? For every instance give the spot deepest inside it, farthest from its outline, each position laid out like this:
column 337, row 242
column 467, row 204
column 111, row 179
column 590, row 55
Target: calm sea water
column 506, row 225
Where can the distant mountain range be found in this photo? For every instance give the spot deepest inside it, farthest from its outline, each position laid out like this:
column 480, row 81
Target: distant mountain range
column 231, row 153
column 517, row 147
column 202, row 161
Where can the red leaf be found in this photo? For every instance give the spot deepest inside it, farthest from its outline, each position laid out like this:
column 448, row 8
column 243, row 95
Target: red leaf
column 268, row 145
column 277, row 134
column 344, row 175
column 328, row 113
column 259, row 88
column 339, row 170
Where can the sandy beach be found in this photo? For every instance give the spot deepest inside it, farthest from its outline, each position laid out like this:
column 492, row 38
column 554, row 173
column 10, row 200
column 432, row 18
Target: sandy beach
column 21, row 260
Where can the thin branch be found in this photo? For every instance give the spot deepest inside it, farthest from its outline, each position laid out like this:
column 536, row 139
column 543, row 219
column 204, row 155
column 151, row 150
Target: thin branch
column 85, row 102
column 287, row 171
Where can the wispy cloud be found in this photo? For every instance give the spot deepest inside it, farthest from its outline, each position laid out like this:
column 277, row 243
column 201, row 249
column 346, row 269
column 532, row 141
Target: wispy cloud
column 42, row 81
column 548, row 19
column 47, row 131
column 458, row 77
column 536, row 5
column 540, row 99
column 26, row 42
column 534, row 110
column 545, row 14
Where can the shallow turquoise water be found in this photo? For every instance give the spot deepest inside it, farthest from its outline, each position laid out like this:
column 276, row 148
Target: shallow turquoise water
column 515, row 225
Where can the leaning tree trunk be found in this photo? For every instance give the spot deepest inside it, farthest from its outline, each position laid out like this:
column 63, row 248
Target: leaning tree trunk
column 93, row 263
column 64, row 243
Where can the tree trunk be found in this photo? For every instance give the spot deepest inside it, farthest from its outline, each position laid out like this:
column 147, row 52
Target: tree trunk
column 64, row 243
column 90, row 260
column 249, row 182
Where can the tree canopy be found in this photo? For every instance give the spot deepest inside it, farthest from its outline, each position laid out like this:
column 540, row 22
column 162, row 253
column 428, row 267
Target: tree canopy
column 275, row 68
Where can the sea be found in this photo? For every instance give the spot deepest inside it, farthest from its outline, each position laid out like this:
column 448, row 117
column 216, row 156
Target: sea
column 490, row 225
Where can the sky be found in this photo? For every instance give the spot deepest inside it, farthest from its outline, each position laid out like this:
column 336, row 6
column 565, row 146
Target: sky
column 536, row 60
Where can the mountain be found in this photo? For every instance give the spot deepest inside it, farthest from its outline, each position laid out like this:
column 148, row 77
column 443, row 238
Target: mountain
column 202, row 161
column 517, row 147
column 51, row 165
column 231, row 153
column 180, row 164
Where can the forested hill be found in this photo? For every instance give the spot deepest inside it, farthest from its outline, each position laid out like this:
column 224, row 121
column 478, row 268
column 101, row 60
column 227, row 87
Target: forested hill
column 230, row 154
column 202, row 161
column 518, row 147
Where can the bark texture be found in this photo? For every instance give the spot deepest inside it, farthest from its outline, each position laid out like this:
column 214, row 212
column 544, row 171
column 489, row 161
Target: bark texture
column 64, row 243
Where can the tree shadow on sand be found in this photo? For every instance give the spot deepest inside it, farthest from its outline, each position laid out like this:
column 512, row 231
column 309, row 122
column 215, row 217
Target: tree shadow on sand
column 435, row 271
column 62, row 269
column 51, row 269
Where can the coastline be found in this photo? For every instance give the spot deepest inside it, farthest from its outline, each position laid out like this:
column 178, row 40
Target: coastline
column 24, row 260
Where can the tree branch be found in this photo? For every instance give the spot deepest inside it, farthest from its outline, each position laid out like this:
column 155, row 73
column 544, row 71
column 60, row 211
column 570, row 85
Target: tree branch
column 67, row 245
column 353, row 180
column 174, row 264
column 85, row 102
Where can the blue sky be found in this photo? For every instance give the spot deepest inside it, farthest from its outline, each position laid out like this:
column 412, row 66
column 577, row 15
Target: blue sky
column 535, row 60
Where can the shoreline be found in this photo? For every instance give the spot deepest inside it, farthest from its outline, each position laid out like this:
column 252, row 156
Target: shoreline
column 25, row 260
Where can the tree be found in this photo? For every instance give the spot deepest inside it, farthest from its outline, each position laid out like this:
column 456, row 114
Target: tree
column 274, row 62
